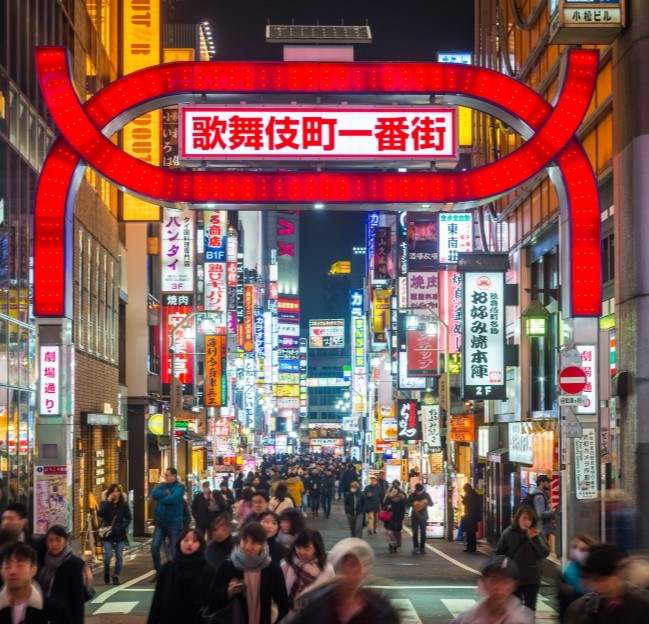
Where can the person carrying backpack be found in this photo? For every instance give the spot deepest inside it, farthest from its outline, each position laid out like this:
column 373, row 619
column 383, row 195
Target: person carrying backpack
column 539, row 500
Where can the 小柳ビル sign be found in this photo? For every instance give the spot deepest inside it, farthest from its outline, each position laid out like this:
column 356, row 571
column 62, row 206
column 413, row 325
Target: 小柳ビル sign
column 208, row 132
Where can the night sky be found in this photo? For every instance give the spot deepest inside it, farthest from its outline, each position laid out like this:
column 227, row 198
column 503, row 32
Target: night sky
column 409, row 30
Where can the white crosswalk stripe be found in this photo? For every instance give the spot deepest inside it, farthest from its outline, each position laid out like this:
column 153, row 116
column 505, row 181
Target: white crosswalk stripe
column 406, row 610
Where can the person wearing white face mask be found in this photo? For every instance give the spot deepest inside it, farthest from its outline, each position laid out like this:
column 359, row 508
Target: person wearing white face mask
column 355, row 509
column 571, row 584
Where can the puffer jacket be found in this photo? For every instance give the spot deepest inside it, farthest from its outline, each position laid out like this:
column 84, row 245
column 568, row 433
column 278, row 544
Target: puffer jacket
column 170, row 499
column 528, row 554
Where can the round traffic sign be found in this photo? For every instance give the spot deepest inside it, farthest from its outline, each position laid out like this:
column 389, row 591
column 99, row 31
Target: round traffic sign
column 572, row 380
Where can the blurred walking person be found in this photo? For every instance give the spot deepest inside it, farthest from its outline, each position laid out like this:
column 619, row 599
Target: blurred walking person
column 419, row 501
column 395, row 504
column 472, row 515
column 373, row 502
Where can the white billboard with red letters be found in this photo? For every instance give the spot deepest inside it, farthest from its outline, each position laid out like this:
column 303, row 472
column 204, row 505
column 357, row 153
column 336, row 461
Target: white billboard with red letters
column 247, row 132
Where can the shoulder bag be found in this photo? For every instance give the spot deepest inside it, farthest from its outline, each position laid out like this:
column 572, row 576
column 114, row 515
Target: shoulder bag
column 106, row 531
column 231, row 613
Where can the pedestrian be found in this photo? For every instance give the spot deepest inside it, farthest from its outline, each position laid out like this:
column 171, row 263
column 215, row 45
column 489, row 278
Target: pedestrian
column 15, row 523
column 281, row 500
column 228, row 494
column 116, row 514
column 419, row 501
column 21, row 600
column 168, row 522
column 295, row 487
column 542, row 505
column 183, row 585
column 313, row 491
column 499, row 604
column 472, row 515
column 62, row 575
column 346, row 599
column 291, row 522
column 611, row 599
column 347, row 477
column 572, row 583
column 382, row 483
column 355, row 509
column 270, row 521
column 395, row 505
column 220, row 542
column 327, row 488
column 244, row 506
column 305, row 563
column 373, row 502
column 200, row 506
column 251, row 578
column 237, row 485
column 526, row 546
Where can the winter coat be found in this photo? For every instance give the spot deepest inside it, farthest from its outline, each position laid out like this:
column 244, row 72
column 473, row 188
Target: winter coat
column 527, row 554
column 422, row 514
column 397, row 505
column 121, row 513
column 472, row 512
column 354, row 503
column 272, row 588
column 346, row 477
column 591, row 609
column 327, row 485
column 278, row 506
column 320, row 609
column 516, row 614
column 40, row 609
column 218, row 552
column 295, row 489
column 67, row 588
column 181, row 592
column 372, row 495
column 171, row 502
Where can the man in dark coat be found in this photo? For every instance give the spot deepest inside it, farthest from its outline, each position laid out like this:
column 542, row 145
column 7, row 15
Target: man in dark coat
column 200, row 508
column 346, row 477
column 18, row 568
column 471, row 517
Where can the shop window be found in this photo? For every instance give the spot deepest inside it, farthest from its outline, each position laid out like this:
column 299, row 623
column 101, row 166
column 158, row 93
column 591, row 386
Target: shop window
column 608, row 258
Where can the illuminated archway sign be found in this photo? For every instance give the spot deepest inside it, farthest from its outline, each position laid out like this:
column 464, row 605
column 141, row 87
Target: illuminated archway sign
column 85, row 127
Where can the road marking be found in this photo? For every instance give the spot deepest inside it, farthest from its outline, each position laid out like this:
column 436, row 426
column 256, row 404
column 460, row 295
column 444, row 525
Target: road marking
column 116, row 607
column 103, row 597
column 407, row 612
column 458, row 605
column 448, row 557
column 421, row 586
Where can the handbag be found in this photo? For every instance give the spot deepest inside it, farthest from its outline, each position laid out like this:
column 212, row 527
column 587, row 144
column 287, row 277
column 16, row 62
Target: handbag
column 231, row 613
column 385, row 515
column 105, row 532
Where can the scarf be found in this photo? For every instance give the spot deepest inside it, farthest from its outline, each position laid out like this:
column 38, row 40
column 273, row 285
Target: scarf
column 250, row 563
column 185, row 567
column 305, row 573
column 52, row 564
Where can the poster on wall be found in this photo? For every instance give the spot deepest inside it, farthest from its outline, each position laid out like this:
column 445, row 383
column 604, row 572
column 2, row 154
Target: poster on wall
column 52, row 504
column 586, row 464
column 436, row 513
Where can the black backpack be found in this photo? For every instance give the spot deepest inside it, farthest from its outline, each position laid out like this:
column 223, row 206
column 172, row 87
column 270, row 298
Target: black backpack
column 529, row 499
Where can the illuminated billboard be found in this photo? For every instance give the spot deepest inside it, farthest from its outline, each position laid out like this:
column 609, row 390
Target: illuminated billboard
column 327, row 333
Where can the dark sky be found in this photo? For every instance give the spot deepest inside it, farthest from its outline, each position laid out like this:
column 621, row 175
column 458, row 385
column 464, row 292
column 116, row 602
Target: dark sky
column 408, row 30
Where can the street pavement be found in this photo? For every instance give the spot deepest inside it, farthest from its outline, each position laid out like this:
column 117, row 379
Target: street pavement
column 428, row 589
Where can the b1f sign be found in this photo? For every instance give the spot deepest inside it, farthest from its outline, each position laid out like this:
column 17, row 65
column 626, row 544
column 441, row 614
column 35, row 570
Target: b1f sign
column 483, row 341
column 243, row 132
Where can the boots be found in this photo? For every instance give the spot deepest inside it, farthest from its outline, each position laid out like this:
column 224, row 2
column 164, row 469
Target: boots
column 115, row 580
column 106, row 576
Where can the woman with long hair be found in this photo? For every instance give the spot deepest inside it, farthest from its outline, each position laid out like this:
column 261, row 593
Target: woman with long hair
column 115, row 513
column 281, row 500
column 526, row 546
column 305, row 562
column 182, row 587
column 291, row 523
column 250, row 577
column 395, row 503
column 62, row 574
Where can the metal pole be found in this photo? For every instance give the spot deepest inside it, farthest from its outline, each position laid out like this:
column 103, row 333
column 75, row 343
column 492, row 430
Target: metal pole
column 175, row 390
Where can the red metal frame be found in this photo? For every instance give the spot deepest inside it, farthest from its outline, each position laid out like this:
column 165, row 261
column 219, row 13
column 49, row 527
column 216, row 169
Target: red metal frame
column 552, row 141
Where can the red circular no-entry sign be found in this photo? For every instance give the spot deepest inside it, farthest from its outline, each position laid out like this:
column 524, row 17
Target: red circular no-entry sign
column 572, row 380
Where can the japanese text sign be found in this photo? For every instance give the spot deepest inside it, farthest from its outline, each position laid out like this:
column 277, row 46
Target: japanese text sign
column 215, row 387
column 521, row 444
column 215, row 235
column 430, row 428
column 590, row 368
column 177, row 250
column 586, row 464
column 461, row 429
column 49, row 380
column 455, row 235
column 241, row 132
column 484, row 336
column 326, row 333
column 408, row 421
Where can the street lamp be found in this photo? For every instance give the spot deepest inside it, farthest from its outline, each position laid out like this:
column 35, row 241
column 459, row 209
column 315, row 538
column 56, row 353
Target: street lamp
column 536, row 319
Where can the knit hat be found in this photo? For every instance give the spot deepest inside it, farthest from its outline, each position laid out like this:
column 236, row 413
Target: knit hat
column 350, row 546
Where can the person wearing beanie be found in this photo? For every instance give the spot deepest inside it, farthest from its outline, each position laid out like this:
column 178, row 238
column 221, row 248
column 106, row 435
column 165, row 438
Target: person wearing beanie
column 346, row 599
column 611, row 598
column 499, row 604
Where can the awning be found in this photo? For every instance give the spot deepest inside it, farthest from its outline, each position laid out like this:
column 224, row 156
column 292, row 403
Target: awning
column 195, row 439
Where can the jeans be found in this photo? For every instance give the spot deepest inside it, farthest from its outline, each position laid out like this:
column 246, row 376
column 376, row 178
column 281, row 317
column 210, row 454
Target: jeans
column 163, row 529
column 418, row 527
column 118, row 548
column 528, row 594
column 355, row 524
column 325, row 500
column 314, row 502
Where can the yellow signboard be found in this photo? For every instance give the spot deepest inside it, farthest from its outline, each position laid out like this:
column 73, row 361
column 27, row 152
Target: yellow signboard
column 141, row 48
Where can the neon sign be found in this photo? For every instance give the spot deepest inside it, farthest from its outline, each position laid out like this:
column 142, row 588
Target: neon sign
column 85, row 129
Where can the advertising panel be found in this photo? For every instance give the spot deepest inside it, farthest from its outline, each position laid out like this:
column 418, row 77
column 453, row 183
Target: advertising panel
column 383, row 260
column 461, row 428
column 215, row 386
column 450, row 307
column 408, row 420
column 243, row 132
column 586, row 464
column 423, row 289
column 521, row 444
column 484, row 336
column 589, row 366
column 455, row 235
column 215, row 235
column 326, row 333
column 381, row 314
column 172, row 316
column 423, row 253
column 431, row 435
column 248, row 317
column 52, row 498
column 216, row 291
column 177, row 251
